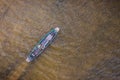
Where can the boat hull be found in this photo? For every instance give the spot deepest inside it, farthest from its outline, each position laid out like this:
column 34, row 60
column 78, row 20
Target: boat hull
column 42, row 44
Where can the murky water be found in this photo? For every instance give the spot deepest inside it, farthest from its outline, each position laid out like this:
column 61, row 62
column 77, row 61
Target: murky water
column 87, row 47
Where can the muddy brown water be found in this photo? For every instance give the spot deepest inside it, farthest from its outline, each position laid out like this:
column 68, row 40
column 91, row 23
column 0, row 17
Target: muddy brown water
column 86, row 48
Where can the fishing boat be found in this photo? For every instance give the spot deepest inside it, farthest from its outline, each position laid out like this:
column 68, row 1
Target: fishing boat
column 42, row 44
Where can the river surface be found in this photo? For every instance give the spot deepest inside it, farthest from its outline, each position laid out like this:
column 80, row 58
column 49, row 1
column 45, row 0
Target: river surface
column 86, row 48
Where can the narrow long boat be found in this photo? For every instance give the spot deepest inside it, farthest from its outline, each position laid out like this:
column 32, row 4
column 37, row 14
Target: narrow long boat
column 42, row 44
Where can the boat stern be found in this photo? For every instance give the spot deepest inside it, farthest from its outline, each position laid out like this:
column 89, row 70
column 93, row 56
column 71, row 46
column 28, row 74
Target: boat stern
column 28, row 59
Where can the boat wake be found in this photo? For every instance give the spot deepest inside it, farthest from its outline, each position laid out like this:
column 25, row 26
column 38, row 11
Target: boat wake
column 14, row 75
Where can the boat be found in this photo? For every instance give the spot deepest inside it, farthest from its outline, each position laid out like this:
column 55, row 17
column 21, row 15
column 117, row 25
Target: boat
column 42, row 44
